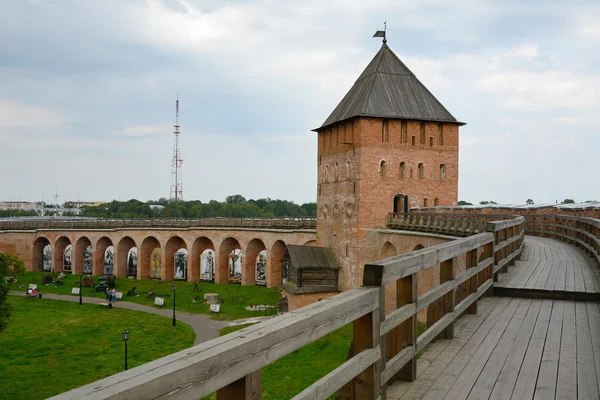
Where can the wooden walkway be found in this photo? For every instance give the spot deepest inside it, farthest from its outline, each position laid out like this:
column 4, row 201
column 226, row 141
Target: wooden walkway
column 514, row 348
column 550, row 268
column 531, row 344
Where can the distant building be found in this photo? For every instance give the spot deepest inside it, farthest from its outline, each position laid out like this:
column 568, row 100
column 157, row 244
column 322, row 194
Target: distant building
column 88, row 203
column 17, row 205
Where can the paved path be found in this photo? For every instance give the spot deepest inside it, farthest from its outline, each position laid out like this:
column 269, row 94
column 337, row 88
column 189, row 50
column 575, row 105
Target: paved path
column 205, row 328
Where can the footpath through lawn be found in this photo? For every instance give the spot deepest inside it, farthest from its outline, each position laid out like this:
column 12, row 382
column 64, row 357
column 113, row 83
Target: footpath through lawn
column 235, row 297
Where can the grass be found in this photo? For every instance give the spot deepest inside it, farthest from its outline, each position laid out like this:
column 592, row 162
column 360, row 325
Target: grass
column 293, row 373
column 50, row 346
column 230, row 309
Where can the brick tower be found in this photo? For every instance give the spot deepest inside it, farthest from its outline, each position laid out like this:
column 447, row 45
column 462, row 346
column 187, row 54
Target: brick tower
column 388, row 145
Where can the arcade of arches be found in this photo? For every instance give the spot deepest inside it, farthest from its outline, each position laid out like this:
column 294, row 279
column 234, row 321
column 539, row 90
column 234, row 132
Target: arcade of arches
column 247, row 258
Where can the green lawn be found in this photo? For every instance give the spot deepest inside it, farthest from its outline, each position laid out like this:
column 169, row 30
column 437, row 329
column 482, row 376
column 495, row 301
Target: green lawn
column 230, row 294
column 52, row 346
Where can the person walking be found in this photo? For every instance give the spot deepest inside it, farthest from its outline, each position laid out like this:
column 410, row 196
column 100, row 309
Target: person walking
column 113, row 294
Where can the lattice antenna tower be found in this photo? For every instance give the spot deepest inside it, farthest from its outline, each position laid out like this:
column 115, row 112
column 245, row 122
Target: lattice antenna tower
column 176, row 171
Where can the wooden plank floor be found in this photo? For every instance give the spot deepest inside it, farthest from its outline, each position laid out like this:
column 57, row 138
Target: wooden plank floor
column 551, row 265
column 514, row 348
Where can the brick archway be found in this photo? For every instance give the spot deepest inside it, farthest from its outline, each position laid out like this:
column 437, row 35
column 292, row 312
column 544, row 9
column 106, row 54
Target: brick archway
column 222, row 271
column 122, row 254
column 144, row 253
column 58, row 255
column 173, row 245
column 99, row 253
column 81, row 246
column 38, row 250
column 274, row 263
column 200, row 245
column 249, row 261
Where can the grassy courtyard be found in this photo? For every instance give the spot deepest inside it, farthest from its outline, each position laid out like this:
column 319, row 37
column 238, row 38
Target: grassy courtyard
column 235, row 297
column 52, row 346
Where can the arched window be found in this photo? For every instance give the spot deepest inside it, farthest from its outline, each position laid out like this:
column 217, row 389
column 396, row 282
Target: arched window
column 382, row 168
column 384, row 130
column 421, row 171
column 425, row 202
column 402, row 170
column 443, row 172
column 436, row 202
column 441, row 134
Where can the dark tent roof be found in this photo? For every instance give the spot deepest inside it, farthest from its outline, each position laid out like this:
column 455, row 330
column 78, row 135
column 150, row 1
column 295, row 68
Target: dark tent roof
column 304, row 257
column 388, row 89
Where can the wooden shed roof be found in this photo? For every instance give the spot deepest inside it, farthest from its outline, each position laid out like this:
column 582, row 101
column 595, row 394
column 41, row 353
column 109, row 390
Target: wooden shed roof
column 388, row 89
column 304, row 257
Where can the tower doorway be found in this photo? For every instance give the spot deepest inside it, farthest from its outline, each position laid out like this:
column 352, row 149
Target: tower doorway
column 401, row 203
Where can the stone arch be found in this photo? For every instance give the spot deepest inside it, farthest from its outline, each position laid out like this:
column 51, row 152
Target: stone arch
column 59, row 253
column 388, row 250
column 436, row 202
column 207, row 265
column 199, row 246
column 122, row 257
column 442, row 172
column 99, row 255
column 310, row 243
column 275, row 272
column 229, row 259
column 146, row 268
column 418, row 247
column 382, row 168
column 251, row 272
column 421, row 171
column 174, row 244
column 42, row 262
column 82, row 258
column 132, row 262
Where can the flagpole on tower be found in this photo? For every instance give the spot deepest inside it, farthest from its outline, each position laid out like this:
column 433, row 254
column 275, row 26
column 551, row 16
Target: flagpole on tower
column 382, row 33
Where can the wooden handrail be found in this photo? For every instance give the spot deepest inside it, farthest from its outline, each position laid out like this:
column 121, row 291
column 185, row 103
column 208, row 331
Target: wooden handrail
column 272, row 223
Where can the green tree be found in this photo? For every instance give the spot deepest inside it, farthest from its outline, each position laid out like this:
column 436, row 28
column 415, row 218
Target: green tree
column 529, row 201
column 11, row 266
column 464, row 203
column 568, row 201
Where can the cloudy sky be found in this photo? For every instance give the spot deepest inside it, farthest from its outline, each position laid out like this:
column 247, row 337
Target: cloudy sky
column 87, row 93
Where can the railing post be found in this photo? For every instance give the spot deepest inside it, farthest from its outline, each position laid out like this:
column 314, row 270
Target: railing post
column 472, row 282
column 247, row 388
column 448, row 273
column 366, row 336
column 407, row 292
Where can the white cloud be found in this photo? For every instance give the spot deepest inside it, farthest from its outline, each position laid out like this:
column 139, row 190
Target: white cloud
column 140, row 131
column 14, row 114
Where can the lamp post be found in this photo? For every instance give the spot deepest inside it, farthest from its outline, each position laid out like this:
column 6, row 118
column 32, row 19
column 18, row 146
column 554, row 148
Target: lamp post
column 80, row 287
column 174, row 286
column 125, row 337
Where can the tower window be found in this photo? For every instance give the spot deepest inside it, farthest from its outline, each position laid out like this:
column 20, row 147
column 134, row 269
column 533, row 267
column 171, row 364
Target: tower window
column 443, row 172
column 441, row 134
column 403, row 132
column 402, row 170
column 422, row 133
column 326, row 173
column 421, row 171
column 384, row 130
column 382, row 168
column 348, row 169
column 425, row 202
column 431, row 141
column 411, row 174
column 413, row 140
column 436, row 202
column 337, row 171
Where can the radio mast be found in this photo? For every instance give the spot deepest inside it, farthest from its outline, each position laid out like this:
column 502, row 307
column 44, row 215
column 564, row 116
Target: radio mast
column 176, row 181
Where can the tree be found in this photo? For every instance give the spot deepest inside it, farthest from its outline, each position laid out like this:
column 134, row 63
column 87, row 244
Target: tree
column 236, row 199
column 487, row 202
column 568, row 201
column 464, row 203
column 9, row 266
column 529, row 201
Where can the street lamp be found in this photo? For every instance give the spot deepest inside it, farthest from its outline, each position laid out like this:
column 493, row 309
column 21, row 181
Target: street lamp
column 80, row 286
column 125, row 337
column 174, row 286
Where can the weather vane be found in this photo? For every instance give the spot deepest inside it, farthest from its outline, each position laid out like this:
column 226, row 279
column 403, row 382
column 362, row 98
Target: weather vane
column 382, row 33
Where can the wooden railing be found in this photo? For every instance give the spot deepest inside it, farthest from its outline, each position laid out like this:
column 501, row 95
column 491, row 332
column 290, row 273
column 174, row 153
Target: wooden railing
column 268, row 223
column 384, row 347
column 581, row 231
column 444, row 223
